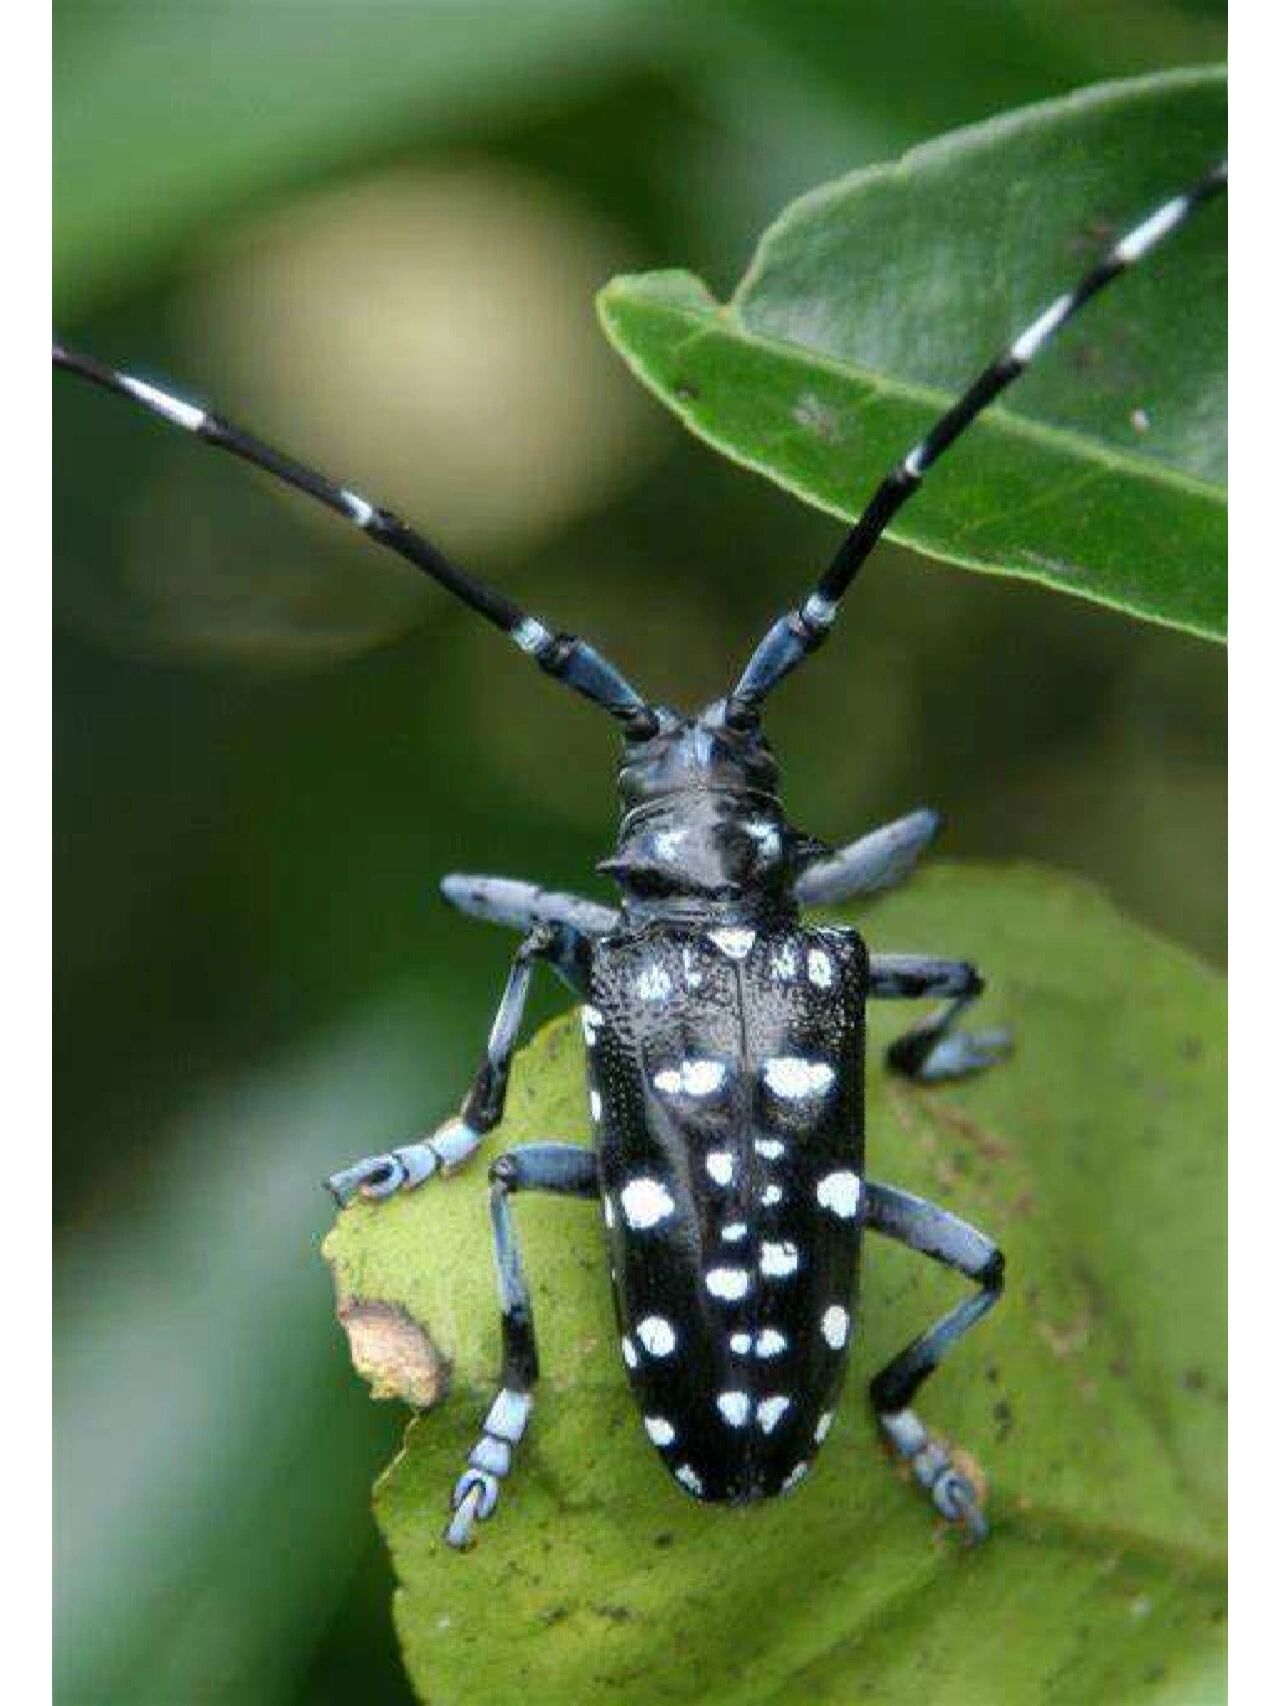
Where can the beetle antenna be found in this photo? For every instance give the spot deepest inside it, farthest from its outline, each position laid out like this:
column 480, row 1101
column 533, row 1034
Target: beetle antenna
column 794, row 635
column 563, row 656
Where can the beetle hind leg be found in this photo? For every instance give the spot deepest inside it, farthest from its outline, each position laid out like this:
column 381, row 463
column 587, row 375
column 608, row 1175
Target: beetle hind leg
column 934, row 1049
column 562, row 1169
column 945, row 1238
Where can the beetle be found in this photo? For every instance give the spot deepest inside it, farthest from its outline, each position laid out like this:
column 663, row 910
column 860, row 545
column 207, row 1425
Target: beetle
column 725, row 1037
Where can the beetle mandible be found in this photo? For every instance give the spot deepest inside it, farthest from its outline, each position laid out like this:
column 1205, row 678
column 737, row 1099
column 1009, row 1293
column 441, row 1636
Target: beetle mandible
column 725, row 1037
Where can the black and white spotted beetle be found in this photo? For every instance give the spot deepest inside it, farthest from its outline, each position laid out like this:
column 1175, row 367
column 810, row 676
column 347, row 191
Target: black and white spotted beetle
column 725, row 1039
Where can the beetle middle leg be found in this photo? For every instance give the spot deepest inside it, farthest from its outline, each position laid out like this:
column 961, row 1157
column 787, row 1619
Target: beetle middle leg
column 564, row 1169
column 943, row 1237
column 454, row 1142
column 934, row 1049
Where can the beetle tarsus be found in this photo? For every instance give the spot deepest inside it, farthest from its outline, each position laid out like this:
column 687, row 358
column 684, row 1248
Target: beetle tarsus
column 952, row 1492
column 380, row 1176
column 474, row 1499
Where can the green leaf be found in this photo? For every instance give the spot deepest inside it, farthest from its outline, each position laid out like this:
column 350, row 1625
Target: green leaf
column 872, row 301
column 1092, row 1399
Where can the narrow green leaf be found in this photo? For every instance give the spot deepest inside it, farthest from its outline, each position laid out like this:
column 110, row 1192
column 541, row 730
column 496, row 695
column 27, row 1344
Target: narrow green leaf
column 872, row 301
column 1092, row 1399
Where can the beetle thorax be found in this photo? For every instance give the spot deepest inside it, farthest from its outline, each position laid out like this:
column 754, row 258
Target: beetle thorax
column 702, row 826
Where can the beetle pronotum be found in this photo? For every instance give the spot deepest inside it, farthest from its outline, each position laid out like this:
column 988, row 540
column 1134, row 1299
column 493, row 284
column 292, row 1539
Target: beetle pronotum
column 725, row 1038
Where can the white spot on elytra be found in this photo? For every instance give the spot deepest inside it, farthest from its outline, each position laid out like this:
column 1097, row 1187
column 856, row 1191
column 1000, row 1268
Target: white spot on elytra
column 608, row 1211
column 770, row 1148
column 691, row 1078
column 779, row 1260
column 771, row 1195
column 735, row 1407
column 702, row 1077
column 792, row 1078
column 653, row 984
column 736, row 943
column 821, row 972
column 770, row 1411
column 728, row 1283
column 824, row 1426
column 590, row 1024
column 659, row 1430
column 720, row 1165
column 657, row 1335
column 835, row 1326
column 597, row 1107
column 783, row 963
column 734, row 1231
column 840, row 1192
column 689, row 1477
column 646, row 1202
column 740, row 1343
column 797, row 1475
column 770, row 1342
column 629, row 1353
column 692, row 976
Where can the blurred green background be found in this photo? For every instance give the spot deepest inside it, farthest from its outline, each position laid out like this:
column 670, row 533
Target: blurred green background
column 374, row 233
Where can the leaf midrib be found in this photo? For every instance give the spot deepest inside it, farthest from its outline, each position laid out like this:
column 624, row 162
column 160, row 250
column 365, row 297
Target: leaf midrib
column 1065, row 1532
column 1062, row 440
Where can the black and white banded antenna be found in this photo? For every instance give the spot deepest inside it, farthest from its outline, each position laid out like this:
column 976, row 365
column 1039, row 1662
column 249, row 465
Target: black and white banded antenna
column 799, row 632
column 562, row 656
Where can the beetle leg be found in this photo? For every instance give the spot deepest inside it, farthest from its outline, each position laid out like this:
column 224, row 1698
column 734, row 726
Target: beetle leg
column 507, row 900
column 880, row 860
column 379, row 1176
column 933, row 1050
column 943, row 1237
column 564, row 1169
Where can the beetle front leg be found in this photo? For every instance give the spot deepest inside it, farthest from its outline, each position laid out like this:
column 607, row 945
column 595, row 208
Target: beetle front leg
column 563, row 1169
column 933, row 1049
column 402, row 1169
column 880, row 860
column 943, row 1237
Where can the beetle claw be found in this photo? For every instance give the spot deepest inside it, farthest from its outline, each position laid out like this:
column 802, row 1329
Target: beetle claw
column 952, row 1492
column 375, row 1177
column 474, row 1500
column 957, row 1498
column 403, row 1169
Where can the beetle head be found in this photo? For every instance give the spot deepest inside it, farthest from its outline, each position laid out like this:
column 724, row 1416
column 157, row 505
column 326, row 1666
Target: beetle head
column 701, row 816
column 695, row 755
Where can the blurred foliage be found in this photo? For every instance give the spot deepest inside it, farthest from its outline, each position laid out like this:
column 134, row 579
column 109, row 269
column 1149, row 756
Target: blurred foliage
column 872, row 302
column 1092, row 1399
column 259, row 783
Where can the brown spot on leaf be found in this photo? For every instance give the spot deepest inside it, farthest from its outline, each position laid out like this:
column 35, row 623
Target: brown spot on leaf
column 1067, row 1341
column 393, row 1352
